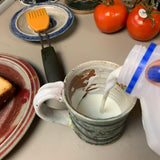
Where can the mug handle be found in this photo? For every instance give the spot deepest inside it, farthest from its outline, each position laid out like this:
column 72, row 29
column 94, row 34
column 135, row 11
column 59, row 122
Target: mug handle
column 49, row 105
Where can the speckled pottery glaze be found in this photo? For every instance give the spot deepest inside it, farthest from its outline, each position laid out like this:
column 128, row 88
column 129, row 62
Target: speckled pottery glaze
column 82, row 6
column 98, row 132
column 29, row 2
column 90, row 77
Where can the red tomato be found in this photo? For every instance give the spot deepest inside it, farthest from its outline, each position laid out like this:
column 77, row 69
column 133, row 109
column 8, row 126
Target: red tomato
column 140, row 28
column 111, row 18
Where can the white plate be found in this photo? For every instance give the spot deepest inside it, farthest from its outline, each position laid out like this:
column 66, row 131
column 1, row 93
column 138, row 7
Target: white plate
column 17, row 115
column 61, row 18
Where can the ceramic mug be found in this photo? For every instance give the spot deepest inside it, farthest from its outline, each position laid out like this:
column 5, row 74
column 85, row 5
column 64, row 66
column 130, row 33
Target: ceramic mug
column 87, row 79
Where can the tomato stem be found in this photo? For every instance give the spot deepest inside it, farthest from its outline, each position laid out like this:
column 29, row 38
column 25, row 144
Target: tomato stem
column 149, row 5
column 108, row 2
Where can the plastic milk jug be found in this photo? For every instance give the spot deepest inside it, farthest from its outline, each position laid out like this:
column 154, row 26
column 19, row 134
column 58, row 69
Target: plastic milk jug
column 141, row 74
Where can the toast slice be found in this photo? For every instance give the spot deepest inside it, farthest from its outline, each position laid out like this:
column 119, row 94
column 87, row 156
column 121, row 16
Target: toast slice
column 7, row 90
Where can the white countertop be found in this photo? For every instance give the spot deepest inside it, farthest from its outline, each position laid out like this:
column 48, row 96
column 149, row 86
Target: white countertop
column 5, row 4
column 82, row 42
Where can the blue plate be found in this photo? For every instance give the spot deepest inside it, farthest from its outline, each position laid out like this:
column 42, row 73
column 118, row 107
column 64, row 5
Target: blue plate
column 61, row 18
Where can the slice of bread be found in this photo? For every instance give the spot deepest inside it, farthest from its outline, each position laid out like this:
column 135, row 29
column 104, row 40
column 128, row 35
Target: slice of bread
column 7, row 90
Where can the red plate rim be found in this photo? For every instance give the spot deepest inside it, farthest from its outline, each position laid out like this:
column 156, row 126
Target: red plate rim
column 11, row 140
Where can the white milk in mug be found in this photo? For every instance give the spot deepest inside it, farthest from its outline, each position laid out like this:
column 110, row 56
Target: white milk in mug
column 90, row 106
